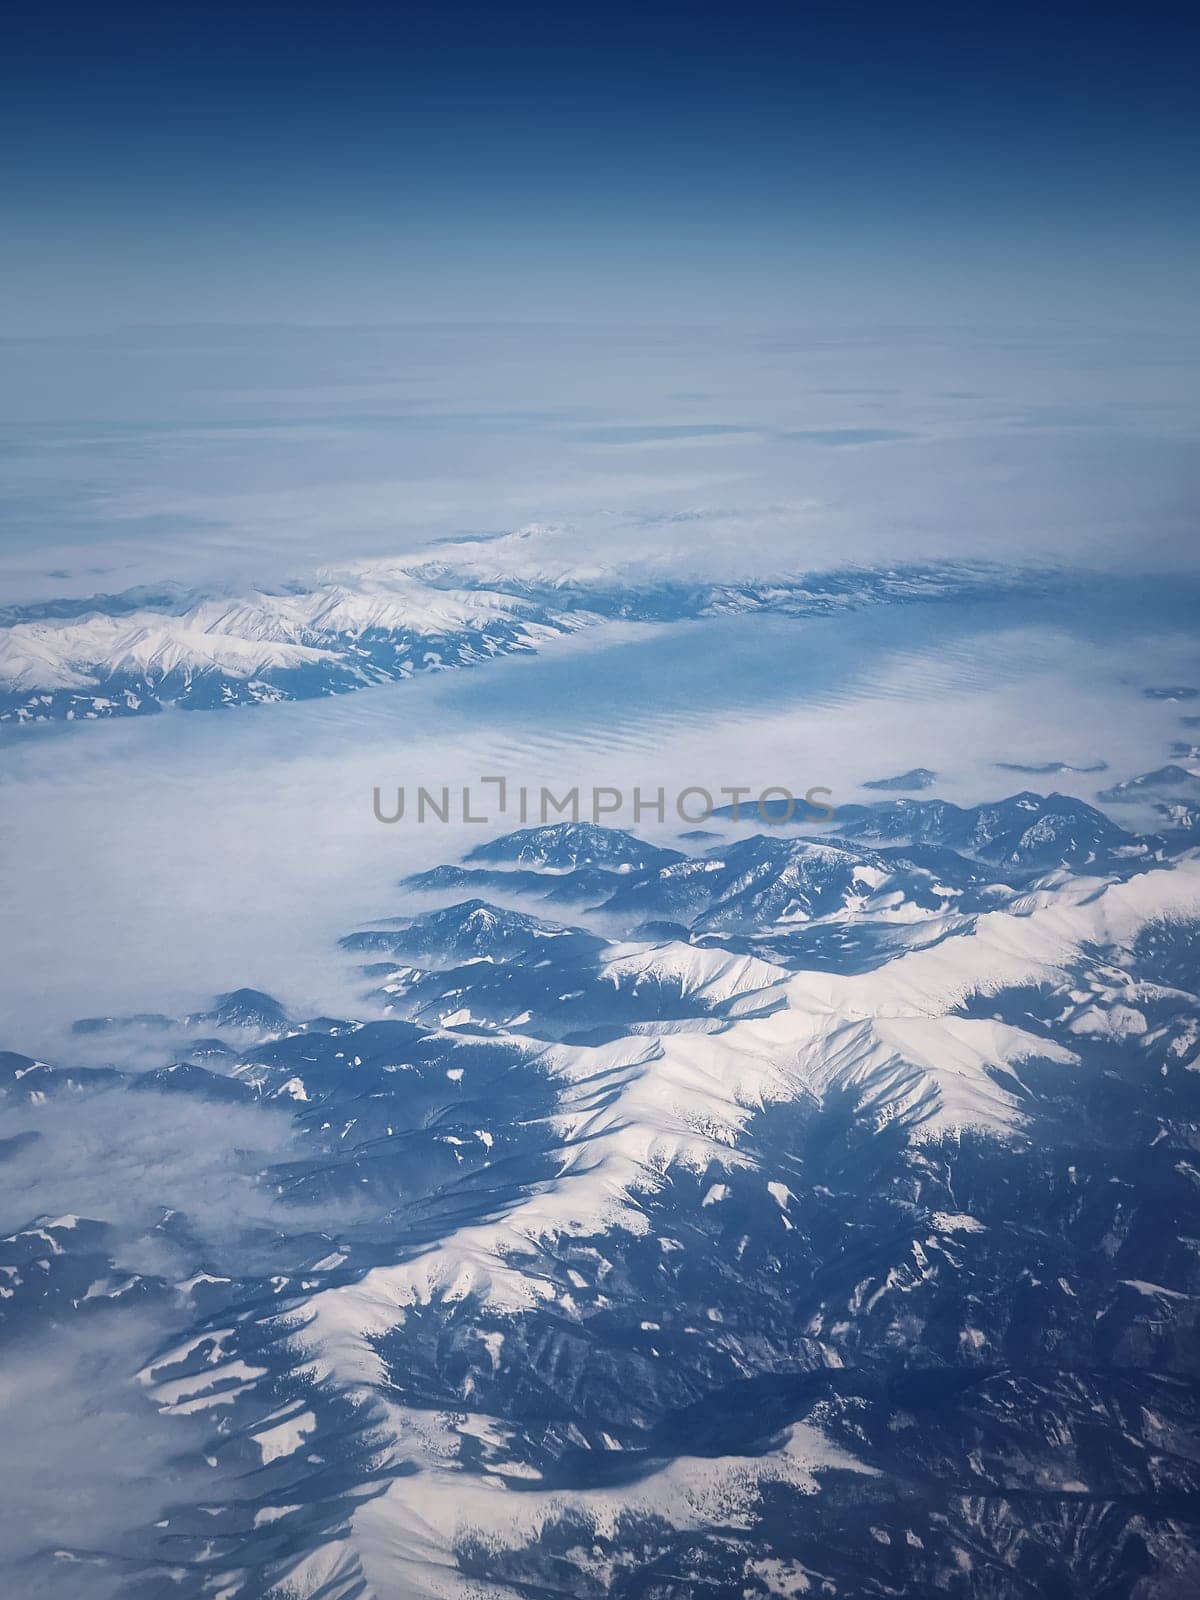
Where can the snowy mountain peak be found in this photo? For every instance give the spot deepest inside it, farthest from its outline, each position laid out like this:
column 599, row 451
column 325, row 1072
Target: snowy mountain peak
column 1025, row 830
column 564, row 845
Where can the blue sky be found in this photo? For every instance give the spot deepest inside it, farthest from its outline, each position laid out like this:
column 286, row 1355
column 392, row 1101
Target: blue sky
column 662, row 161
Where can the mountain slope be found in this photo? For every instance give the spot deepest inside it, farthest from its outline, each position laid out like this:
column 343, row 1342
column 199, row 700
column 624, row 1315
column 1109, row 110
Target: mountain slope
column 766, row 1278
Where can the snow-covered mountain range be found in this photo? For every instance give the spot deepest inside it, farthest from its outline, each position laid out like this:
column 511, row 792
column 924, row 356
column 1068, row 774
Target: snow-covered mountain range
column 794, row 1216
column 135, row 653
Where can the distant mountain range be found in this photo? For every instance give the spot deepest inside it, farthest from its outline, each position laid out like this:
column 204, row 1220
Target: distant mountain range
column 133, row 654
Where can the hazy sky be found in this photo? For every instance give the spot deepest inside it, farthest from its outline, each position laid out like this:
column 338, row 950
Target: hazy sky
column 239, row 455
column 367, row 162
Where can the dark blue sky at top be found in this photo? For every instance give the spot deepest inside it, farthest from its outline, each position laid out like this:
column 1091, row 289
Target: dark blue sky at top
column 370, row 161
